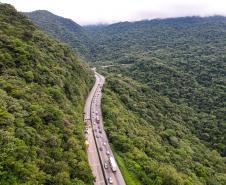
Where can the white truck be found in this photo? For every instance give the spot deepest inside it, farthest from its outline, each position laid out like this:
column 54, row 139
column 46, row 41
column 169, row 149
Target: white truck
column 97, row 119
column 113, row 163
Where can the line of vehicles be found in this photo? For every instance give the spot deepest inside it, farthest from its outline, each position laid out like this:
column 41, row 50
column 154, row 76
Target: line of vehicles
column 99, row 134
column 111, row 161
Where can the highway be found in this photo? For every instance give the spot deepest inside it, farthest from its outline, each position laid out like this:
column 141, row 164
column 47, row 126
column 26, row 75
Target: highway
column 99, row 150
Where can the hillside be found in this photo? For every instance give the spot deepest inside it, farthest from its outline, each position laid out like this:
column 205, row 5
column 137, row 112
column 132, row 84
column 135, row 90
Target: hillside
column 42, row 91
column 183, row 59
column 164, row 98
column 153, row 138
column 159, row 35
column 164, row 103
column 65, row 30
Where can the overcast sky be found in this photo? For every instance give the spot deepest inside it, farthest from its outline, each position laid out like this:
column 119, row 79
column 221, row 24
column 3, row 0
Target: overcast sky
column 109, row 11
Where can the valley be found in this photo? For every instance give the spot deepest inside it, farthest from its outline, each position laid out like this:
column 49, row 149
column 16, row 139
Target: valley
column 136, row 103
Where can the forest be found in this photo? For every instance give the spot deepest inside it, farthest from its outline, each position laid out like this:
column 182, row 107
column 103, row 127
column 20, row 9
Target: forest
column 164, row 98
column 163, row 103
column 43, row 86
column 64, row 30
column 183, row 59
column 155, row 139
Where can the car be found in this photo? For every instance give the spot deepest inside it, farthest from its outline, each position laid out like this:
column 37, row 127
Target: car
column 105, row 165
column 108, row 152
column 101, row 149
column 97, row 136
column 95, row 130
column 100, row 131
column 86, row 131
column 104, row 144
column 98, row 127
column 110, row 180
column 101, row 136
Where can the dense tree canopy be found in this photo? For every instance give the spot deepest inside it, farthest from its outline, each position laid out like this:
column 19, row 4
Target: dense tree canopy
column 164, row 101
column 65, row 30
column 182, row 58
column 154, row 137
column 42, row 90
column 164, row 104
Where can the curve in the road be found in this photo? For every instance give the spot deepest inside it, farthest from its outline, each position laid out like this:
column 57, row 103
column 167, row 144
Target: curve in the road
column 92, row 150
column 91, row 120
column 92, row 111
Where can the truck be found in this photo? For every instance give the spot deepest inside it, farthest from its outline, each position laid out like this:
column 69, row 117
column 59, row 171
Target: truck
column 98, row 119
column 86, row 144
column 84, row 116
column 113, row 164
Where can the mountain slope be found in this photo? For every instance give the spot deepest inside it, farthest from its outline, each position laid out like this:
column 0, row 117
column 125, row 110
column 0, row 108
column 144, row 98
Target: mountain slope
column 164, row 103
column 158, row 35
column 65, row 30
column 182, row 58
column 42, row 90
column 164, row 100
column 153, row 137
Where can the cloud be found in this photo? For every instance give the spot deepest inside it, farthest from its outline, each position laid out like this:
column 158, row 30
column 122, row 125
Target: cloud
column 108, row 11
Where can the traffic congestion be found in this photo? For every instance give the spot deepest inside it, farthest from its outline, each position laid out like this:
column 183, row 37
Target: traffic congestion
column 95, row 127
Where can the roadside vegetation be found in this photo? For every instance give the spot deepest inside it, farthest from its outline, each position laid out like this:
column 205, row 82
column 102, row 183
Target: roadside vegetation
column 154, row 139
column 183, row 59
column 130, row 178
column 164, row 98
column 43, row 86
column 163, row 102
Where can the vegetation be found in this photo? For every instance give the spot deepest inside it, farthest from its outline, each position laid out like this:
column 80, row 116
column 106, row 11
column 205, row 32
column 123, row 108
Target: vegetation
column 163, row 105
column 154, row 139
column 65, row 30
column 129, row 177
column 42, row 90
column 182, row 59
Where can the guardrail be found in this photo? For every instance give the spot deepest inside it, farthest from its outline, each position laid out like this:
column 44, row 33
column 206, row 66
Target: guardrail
column 101, row 163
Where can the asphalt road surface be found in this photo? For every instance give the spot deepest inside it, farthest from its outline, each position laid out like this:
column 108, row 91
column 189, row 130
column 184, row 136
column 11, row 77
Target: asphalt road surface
column 99, row 149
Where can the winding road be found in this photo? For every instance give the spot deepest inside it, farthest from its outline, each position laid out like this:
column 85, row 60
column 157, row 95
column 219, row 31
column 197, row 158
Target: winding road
column 99, row 150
